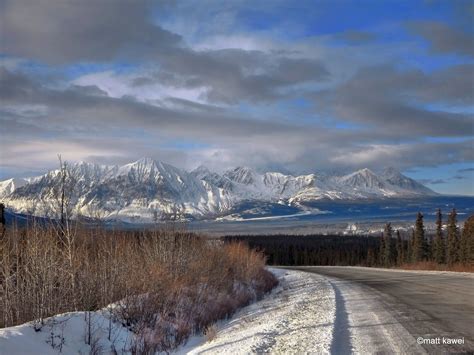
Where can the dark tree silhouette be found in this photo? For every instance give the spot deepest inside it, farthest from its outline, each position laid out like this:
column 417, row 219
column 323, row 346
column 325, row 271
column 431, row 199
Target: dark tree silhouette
column 389, row 248
column 452, row 252
column 420, row 245
column 467, row 242
column 439, row 244
column 400, row 249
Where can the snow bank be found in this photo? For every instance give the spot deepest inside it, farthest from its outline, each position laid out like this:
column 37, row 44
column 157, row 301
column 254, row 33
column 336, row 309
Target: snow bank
column 67, row 333
column 296, row 317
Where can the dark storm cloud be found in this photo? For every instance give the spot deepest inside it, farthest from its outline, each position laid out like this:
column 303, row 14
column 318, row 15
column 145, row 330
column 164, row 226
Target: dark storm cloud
column 59, row 32
column 73, row 31
column 233, row 75
column 453, row 85
column 404, row 156
column 77, row 106
column 444, row 38
column 395, row 102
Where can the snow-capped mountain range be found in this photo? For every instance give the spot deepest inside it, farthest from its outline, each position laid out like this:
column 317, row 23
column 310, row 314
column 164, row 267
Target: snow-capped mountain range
column 148, row 190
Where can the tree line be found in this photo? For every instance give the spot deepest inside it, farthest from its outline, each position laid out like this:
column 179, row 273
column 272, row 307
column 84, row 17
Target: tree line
column 448, row 246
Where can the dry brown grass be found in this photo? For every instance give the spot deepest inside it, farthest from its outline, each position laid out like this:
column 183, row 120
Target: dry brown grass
column 431, row 265
column 211, row 332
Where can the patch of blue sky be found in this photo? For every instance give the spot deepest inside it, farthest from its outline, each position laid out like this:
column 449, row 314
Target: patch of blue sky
column 32, row 67
column 328, row 17
column 80, row 69
column 446, row 139
column 453, row 108
column 429, row 62
column 446, row 179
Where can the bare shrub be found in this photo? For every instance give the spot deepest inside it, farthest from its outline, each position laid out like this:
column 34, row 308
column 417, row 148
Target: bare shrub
column 163, row 284
column 210, row 332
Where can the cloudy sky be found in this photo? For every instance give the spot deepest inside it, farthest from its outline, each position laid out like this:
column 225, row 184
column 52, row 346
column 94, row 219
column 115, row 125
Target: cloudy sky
column 291, row 86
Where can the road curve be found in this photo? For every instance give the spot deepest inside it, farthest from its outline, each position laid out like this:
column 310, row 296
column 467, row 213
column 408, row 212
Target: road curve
column 433, row 306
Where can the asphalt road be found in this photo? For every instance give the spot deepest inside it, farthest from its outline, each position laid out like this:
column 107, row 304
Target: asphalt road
column 427, row 305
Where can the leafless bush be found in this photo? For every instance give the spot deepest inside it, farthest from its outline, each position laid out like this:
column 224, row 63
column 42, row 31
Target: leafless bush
column 210, row 332
column 164, row 284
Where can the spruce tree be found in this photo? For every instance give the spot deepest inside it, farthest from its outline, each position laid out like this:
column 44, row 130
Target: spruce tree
column 452, row 251
column 439, row 244
column 381, row 256
column 467, row 242
column 370, row 257
column 409, row 254
column 419, row 244
column 388, row 245
column 400, row 251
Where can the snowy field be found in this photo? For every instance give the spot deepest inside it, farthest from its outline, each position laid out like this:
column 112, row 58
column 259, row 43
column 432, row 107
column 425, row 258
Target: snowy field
column 306, row 313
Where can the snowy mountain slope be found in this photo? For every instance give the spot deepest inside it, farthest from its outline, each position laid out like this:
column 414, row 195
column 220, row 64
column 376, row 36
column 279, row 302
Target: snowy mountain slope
column 10, row 185
column 395, row 178
column 365, row 179
column 148, row 190
column 143, row 190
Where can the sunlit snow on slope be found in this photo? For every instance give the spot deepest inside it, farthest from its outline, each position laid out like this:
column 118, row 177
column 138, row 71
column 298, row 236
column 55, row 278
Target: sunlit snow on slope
column 147, row 191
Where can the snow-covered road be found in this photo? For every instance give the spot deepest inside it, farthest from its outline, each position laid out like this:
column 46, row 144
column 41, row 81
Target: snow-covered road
column 310, row 313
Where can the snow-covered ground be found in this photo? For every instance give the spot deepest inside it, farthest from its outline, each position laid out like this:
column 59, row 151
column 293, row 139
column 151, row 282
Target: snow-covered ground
column 306, row 313
column 296, row 317
column 67, row 334
column 309, row 313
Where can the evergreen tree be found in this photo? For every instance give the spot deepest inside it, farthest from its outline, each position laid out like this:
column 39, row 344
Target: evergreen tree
column 370, row 257
column 467, row 241
column 419, row 241
column 452, row 252
column 439, row 244
column 400, row 251
column 381, row 258
column 409, row 255
column 388, row 245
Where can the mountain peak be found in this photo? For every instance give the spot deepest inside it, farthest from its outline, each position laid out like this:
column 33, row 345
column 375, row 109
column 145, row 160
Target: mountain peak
column 363, row 178
column 201, row 170
column 147, row 161
column 365, row 171
column 391, row 171
column 396, row 178
column 10, row 185
column 242, row 175
column 148, row 185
